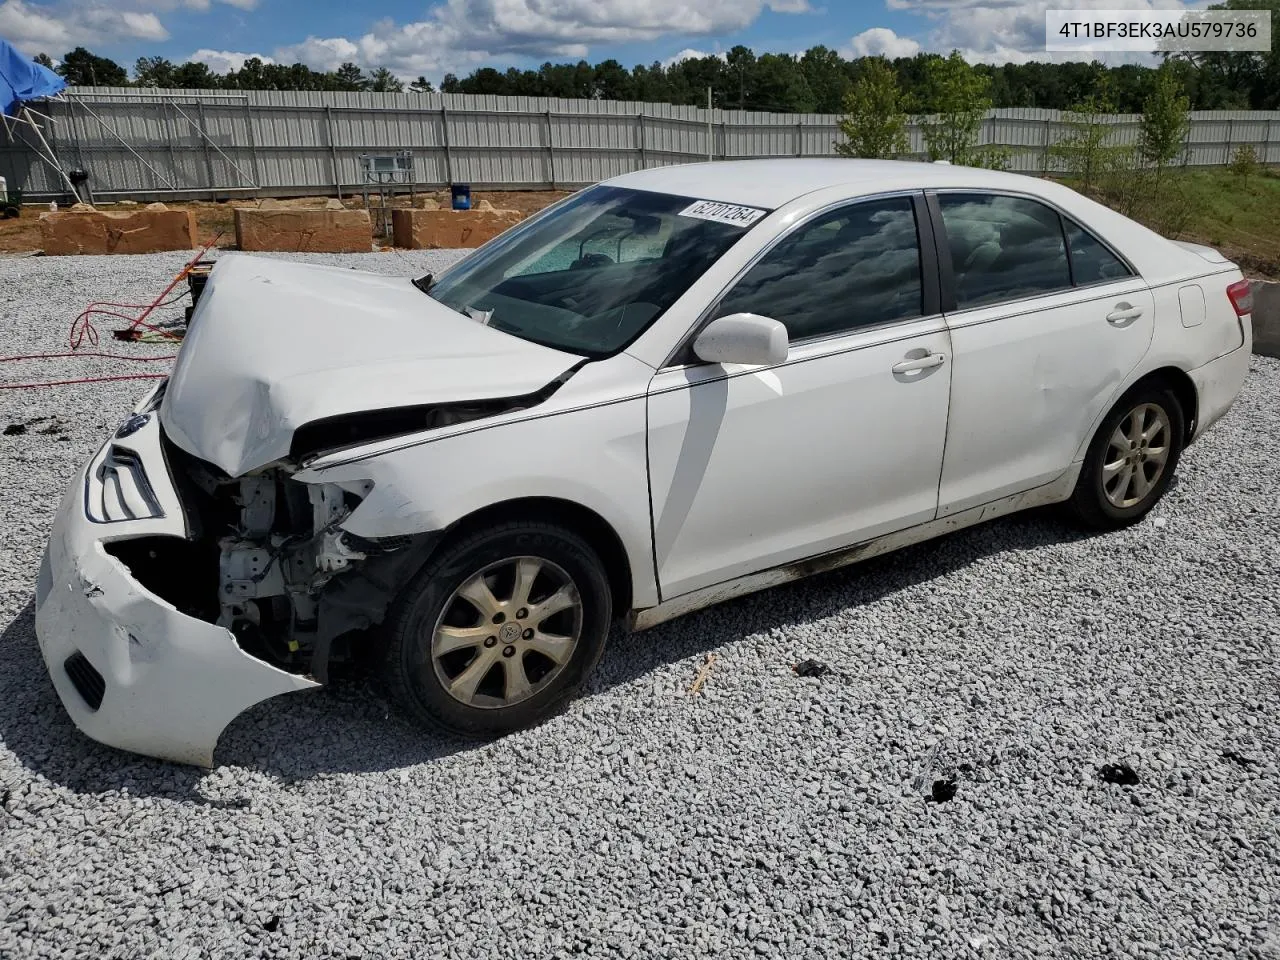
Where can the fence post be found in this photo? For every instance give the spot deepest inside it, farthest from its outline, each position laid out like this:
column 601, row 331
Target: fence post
column 253, row 142
column 1266, row 145
column 333, row 150
column 208, row 157
column 1044, row 148
column 799, row 139
column 444, row 135
column 644, row 164
column 551, row 149
column 165, row 115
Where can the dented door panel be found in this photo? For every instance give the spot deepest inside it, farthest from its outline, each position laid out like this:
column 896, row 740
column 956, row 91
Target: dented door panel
column 1030, row 379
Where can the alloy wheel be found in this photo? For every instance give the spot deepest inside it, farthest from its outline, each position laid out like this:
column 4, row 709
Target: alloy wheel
column 1137, row 454
column 507, row 632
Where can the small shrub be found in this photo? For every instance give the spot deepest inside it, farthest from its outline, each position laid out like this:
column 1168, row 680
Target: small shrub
column 1244, row 162
column 992, row 157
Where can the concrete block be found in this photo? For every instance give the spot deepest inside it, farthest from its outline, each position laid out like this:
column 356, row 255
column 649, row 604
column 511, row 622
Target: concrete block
column 137, row 231
column 295, row 230
column 446, row 229
column 1266, row 317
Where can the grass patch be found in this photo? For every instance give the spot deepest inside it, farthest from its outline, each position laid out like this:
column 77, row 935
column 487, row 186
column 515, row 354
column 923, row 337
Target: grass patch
column 1239, row 215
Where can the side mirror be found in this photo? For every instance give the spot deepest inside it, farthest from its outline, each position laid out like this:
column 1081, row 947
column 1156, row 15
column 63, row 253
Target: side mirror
column 742, row 338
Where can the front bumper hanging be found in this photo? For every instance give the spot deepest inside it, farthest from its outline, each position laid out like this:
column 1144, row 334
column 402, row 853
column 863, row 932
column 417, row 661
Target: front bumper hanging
column 131, row 669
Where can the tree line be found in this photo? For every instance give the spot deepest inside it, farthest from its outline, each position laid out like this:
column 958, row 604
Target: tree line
column 817, row 81
column 81, row 67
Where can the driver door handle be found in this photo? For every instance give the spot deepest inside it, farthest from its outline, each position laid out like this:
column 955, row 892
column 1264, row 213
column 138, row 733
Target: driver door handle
column 920, row 363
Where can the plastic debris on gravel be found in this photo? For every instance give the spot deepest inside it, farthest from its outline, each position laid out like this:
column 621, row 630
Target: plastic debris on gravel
column 946, row 798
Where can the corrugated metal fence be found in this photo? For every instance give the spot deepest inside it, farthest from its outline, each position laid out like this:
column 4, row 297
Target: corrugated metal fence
column 153, row 144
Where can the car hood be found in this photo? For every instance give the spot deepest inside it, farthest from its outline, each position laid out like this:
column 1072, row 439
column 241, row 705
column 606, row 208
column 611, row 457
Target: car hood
column 274, row 345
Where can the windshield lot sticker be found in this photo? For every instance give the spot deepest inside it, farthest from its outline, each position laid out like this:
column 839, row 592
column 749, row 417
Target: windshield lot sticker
column 723, row 213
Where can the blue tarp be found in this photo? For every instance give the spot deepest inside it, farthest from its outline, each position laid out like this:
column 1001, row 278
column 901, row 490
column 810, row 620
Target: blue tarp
column 21, row 78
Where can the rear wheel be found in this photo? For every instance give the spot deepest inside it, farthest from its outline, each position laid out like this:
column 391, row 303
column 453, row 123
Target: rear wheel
column 1131, row 460
column 499, row 630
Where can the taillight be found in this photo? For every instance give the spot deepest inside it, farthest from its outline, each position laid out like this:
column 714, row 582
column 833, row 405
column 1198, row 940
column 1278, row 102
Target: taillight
column 1241, row 295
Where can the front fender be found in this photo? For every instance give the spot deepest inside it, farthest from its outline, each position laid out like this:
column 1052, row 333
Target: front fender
column 594, row 457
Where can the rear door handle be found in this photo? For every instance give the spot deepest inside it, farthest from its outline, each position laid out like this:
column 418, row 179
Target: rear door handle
column 1124, row 314
column 920, row 363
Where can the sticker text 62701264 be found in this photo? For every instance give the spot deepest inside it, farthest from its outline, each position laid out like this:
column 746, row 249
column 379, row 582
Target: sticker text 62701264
column 723, row 213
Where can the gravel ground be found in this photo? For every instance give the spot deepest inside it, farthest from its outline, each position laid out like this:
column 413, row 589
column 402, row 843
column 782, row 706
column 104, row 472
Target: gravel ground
column 772, row 814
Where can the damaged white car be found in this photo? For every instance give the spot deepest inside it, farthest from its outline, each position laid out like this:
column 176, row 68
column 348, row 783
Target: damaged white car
column 669, row 389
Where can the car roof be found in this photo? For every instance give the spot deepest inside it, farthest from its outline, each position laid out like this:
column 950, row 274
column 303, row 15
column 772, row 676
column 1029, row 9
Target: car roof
column 772, row 183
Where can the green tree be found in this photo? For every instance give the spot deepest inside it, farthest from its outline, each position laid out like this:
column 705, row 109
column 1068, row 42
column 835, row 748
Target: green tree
column 1244, row 162
column 153, row 72
column 1166, row 119
column 1239, row 80
column 195, row 76
column 350, row 77
column 1083, row 153
column 874, row 123
column 422, row 85
column 741, row 63
column 827, row 81
column 383, row 80
column 44, row 60
column 957, row 99
column 779, row 85
column 80, row 68
column 612, row 82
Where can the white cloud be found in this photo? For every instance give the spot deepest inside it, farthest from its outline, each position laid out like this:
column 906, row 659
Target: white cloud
column 30, row 29
column 143, row 26
column 455, row 33
column 688, row 53
column 225, row 61
column 1009, row 31
column 320, row 54
column 881, row 42
column 200, row 5
column 56, row 28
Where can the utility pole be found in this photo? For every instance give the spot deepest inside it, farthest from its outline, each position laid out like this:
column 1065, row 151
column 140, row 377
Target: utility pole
column 711, row 140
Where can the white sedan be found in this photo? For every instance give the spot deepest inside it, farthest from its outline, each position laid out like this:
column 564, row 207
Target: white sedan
column 670, row 389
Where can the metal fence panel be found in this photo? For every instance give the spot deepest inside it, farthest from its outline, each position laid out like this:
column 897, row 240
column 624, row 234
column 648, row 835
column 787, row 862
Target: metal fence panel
column 152, row 144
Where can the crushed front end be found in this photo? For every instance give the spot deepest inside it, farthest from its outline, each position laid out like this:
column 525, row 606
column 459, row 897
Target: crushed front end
column 172, row 598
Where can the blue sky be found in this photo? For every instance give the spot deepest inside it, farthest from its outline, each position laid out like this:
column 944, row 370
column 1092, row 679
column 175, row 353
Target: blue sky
column 414, row 37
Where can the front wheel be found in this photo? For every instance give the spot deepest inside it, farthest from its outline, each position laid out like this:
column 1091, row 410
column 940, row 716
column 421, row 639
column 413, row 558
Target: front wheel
column 1131, row 460
column 499, row 630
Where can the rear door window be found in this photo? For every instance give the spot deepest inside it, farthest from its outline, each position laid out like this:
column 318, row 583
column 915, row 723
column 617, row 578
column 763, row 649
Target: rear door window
column 1003, row 248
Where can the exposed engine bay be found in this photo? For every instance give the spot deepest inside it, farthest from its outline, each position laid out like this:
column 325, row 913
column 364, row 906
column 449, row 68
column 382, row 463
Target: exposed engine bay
column 267, row 559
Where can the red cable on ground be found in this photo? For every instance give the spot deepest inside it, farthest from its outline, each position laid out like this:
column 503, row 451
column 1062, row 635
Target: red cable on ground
column 82, row 329
column 63, row 383
column 85, row 353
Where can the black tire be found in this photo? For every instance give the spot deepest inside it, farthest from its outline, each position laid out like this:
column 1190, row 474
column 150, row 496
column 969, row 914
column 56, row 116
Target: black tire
column 10, row 213
column 411, row 672
column 1089, row 504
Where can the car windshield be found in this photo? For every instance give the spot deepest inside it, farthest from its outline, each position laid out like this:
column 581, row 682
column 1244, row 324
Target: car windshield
column 591, row 274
